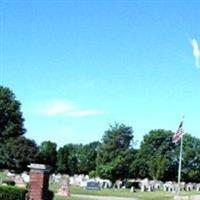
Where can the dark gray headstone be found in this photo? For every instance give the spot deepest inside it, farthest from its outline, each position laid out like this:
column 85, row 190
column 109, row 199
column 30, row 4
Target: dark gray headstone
column 92, row 185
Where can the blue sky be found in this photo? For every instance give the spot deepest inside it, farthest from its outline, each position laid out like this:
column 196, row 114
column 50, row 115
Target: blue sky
column 78, row 66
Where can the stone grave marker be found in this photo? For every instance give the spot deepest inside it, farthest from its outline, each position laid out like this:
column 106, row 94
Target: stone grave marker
column 93, row 185
column 64, row 183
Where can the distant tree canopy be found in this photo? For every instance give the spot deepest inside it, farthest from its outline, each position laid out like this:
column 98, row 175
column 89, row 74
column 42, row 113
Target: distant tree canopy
column 77, row 159
column 157, row 157
column 114, row 158
column 191, row 159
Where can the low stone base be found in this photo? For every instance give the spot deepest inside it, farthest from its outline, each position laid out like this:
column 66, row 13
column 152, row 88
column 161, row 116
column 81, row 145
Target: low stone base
column 65, row 194
column 64, row 191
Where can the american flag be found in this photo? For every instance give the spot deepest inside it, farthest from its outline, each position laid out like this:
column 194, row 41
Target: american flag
column 177, row 136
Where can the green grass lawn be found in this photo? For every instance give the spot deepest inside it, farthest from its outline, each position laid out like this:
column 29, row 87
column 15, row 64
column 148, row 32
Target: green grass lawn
column 156, row 195
column 121, row 193
column 141, row 196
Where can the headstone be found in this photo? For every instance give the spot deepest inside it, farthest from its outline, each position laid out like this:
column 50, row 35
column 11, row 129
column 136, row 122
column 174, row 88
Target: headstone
column 198, row 187
column 189, row 187
column 64, row 186
column 142, row 188
column 132, row 189
column 92, row 185
column 149, row 188
column 25, row 177
column 145, row 185
column 19, row 180
column 118, row 184
column 105, row 185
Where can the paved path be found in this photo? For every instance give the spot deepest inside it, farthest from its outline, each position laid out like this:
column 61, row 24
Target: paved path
column 102, row 197
column 188, row 197
column 195, row 197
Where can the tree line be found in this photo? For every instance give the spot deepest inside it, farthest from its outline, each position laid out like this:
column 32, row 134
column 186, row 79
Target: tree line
column 114, row 157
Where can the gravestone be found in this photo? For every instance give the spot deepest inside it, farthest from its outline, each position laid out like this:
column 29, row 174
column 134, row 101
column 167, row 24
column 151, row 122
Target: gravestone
column 145, row 185
column 39, row 181
column 92, row 185
column 19, row 181
column 132, row 189
column 198, row 187
column 189, row 187
column 64, row 183
column 142, row 188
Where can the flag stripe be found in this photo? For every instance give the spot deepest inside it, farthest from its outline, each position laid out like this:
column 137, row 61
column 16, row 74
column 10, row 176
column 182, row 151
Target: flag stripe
column 177, row 136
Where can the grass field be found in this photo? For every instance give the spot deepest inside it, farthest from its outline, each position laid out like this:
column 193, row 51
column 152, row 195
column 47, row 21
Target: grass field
column 122, row 193
column 156, row 195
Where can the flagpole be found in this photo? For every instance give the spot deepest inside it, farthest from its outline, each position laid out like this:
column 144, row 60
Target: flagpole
column 180, row 160
column 180, row 165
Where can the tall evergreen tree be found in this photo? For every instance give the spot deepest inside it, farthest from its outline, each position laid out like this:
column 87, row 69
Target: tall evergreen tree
column 113, row 158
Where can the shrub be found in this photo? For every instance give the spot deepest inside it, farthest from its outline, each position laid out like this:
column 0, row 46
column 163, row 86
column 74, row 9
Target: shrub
column 48, row 195
column 9, row 182
column 93, row 174
column 12, row 193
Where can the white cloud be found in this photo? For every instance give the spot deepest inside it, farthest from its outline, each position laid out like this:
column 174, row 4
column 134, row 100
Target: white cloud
column 196, row 52
column 86, row 112
column 64, row 108
column 56, row 108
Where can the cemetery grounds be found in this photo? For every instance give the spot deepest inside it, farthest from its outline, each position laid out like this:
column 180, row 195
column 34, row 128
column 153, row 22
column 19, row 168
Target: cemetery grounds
column 155, row 195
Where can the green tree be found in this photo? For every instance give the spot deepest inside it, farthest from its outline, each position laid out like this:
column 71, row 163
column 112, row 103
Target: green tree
column 48, row 154
column 67, row 159
column 73, row 158
column 157, row 166
column 17, row 153
column 11, row 120
column 158, row 157
column 113, row 157
column 62, row 159
column 191, row 158
column 77, row 158
column 155, row 158
column 87, row 155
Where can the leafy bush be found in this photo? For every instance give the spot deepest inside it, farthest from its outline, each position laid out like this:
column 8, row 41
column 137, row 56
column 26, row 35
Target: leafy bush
column 9, row 182
column 93, row 174
column 12, row 193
